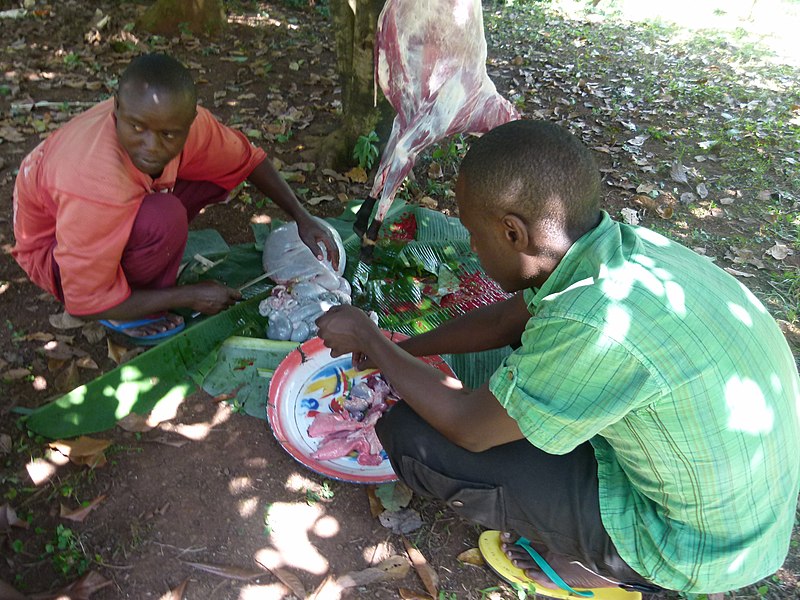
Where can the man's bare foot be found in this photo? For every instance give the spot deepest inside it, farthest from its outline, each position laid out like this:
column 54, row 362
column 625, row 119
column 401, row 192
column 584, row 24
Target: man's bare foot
column 161, row 324
column 572, row 572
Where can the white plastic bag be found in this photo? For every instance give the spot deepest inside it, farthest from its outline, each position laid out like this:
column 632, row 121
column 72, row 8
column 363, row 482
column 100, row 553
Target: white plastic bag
column 289, row 260
column 306, row 288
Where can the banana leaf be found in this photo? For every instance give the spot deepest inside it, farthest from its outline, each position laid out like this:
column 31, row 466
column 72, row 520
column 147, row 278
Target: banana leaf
column 418, row 255
column 171, row 369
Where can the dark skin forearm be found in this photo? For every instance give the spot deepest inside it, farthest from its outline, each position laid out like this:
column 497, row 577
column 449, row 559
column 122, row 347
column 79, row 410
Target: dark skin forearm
column 472, row 419
column 207, row 297
column 270, row 183
column 485, row 328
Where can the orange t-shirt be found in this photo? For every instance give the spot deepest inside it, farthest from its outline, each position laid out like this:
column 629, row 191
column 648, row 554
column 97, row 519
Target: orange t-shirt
column 79, row 189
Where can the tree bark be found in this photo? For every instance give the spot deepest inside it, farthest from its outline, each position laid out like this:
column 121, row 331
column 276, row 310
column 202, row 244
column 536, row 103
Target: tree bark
column 168, row 17
column 355, row 22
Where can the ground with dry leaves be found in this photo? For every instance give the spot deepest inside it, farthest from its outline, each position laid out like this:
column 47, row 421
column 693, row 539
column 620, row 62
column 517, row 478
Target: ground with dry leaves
column 697, row 135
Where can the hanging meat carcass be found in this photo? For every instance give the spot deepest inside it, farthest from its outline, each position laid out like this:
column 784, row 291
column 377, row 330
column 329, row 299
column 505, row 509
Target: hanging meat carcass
column 430, row 62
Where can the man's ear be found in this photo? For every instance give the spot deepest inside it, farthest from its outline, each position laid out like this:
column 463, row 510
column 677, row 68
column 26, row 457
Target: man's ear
column 516, row 232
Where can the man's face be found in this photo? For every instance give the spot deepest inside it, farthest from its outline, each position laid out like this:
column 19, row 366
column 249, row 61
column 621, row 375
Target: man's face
column 513, row 252
column 152, row 125
column 487, row 241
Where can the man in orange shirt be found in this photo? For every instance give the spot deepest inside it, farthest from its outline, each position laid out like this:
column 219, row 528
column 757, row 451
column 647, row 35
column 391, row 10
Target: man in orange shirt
column 102, row 206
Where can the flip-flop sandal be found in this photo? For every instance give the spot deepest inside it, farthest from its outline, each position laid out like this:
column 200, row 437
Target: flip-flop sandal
column 143, row 340
column 491, row 548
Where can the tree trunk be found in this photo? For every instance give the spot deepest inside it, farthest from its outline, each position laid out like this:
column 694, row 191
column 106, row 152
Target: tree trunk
column 169, row 17
column 355, row 22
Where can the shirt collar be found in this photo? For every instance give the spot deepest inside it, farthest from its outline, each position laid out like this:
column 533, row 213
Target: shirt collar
column 572, row 267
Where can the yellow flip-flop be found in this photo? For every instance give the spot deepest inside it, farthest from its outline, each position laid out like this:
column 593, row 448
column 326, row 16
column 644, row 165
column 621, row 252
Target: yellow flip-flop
column 491, row 548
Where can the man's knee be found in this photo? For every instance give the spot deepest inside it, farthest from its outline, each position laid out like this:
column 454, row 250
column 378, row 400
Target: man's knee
column 155, row 245
column 161, row 219
column 415, row 450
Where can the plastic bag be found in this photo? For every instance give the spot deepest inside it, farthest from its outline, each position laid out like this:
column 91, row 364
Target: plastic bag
column 307, row 286
column 288, row 260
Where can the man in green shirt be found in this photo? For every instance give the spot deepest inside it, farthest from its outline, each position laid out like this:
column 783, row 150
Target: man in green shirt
column 644, row 431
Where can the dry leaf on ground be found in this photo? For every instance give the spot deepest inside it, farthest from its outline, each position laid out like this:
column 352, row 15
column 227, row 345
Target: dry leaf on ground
column 59, row 350
column 93, row 332
column 16, row 374
column 82, row 589
column 9, row 519
column 678, row 173
column 79, row 514
column 65, row 321
column 736, row 273
column 401, row 522
column 83, row 450
column 68, row 379
column 39, row 336
column 228, row 572
column 429, row 577
column 394, row 567
column 86, row 362
column 357, row 175
column 428, row 202
column 779, row 251
column 176, row 593
column 289, row 579
column 135, row 423
column 472, row 556
column 115, row 351
column 375, row 506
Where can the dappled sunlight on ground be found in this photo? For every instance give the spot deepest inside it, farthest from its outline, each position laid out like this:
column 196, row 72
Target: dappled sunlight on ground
column 273, row 591
column 774, row 23
column 290, row 524
column 42, row 470
column 199, row 431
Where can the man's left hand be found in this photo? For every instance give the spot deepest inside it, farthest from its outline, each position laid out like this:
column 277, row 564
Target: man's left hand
column 346, row 329
column 312, row 234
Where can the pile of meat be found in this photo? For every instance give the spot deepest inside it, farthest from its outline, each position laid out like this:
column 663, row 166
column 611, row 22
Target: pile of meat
column 306, row 288
column 353, row 428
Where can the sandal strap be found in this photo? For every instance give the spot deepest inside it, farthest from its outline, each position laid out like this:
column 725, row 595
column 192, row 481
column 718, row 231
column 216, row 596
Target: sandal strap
column 548, row 570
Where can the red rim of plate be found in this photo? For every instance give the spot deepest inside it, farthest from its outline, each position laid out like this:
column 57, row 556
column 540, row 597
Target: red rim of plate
column 281, row 380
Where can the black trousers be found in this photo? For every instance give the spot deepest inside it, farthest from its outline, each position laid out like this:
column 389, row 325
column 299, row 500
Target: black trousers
column 550, row 499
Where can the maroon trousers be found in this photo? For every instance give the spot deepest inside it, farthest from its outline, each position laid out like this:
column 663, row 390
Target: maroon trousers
column 155, row 247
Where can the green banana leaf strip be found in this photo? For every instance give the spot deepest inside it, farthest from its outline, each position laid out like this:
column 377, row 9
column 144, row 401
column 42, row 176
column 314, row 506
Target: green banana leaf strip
column 170, row 369
column 244, row 369
column 396, row 284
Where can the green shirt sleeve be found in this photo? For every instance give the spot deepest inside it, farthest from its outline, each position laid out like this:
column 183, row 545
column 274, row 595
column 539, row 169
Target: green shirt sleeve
column 569, row 381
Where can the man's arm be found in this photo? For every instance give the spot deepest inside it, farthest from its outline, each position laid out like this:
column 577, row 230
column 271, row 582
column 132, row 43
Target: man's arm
column 474, row 420
column 485, row 328
column 269, row 182
column 493, row 326
column 207, row 297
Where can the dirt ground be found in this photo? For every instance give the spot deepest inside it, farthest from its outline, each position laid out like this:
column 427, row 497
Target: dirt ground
column 210, row 486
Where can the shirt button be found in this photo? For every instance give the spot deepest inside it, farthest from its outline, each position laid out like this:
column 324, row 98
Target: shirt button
column 510, row 376
column 457, row 503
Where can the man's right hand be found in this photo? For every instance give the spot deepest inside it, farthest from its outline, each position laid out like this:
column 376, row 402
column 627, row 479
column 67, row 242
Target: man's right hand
column 211, row 297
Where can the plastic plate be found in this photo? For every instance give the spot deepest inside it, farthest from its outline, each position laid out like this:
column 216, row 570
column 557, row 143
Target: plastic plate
column 309, row 381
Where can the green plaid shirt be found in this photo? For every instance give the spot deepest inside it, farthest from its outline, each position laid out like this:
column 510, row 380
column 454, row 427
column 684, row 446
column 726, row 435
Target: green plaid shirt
column 689, row 394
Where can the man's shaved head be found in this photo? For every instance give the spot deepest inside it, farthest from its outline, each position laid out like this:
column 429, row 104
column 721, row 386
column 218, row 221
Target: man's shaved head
column 159, row 72
column 536, row 169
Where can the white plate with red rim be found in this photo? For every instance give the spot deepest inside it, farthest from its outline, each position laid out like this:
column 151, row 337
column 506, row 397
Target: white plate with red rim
column 309, row 381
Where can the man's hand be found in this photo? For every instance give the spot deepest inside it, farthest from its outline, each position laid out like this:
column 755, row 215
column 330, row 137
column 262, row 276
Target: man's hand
column 312, row 234
column 346, row 329
column 211, row 297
